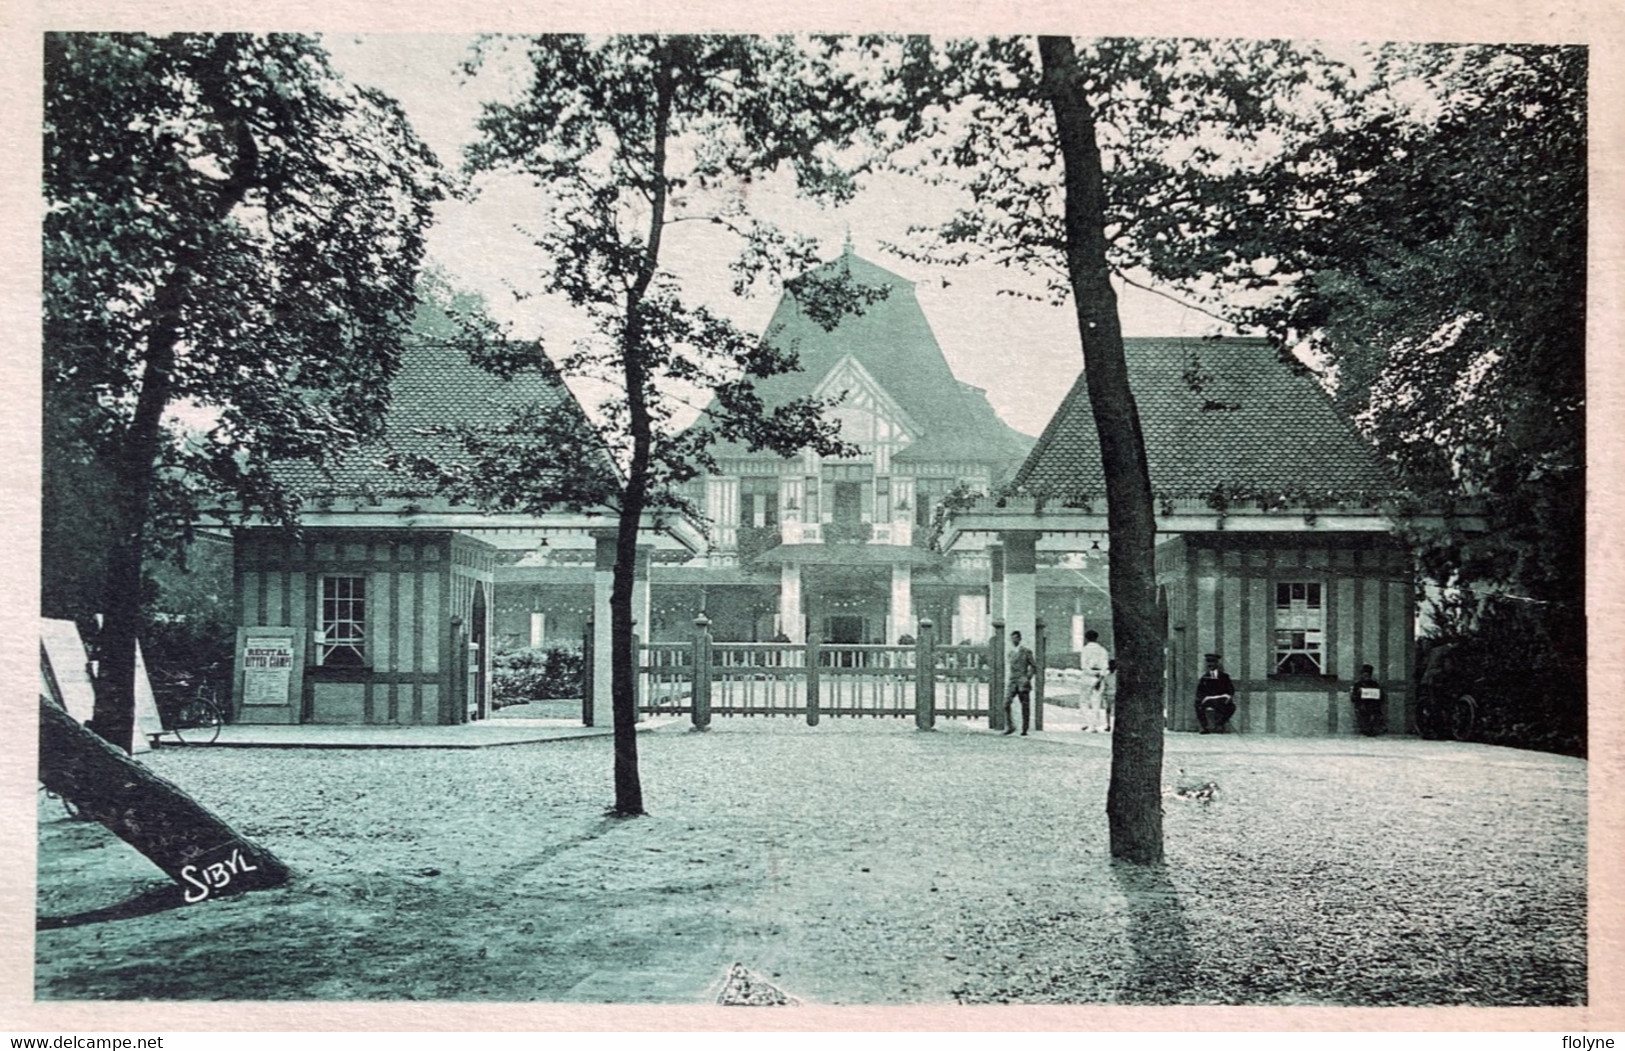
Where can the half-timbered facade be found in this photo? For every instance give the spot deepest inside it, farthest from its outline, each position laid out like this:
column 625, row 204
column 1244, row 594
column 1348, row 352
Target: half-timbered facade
column 396, row 596
column 1277, row 549
column 842, row 546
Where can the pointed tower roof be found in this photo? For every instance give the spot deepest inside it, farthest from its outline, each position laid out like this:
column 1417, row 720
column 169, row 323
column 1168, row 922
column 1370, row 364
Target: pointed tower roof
column 893, row 342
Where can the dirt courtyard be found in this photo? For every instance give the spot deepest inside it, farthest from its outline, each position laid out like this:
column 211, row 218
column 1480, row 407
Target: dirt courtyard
column 854, row 862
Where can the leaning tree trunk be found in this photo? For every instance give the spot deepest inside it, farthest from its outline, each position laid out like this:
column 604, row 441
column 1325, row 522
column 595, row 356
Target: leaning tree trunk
column 1134, row 798
column 203, row 854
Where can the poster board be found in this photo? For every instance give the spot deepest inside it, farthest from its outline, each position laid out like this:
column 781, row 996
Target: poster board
column 269, row 672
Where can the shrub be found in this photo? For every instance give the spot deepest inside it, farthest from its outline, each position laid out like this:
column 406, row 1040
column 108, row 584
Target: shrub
column 535, row 674
column 1528, row 696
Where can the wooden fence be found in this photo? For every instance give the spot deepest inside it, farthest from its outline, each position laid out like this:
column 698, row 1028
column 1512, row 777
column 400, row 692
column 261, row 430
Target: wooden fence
column 705, row 678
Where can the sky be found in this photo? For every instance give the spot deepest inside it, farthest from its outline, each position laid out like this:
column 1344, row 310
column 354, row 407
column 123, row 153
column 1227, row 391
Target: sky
column 1024, row 354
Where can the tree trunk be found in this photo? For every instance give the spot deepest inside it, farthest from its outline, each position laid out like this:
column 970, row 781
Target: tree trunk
column 197, row 850
column 114, row 714
column 622, row 676
column 1134, row 798
column 135, row 473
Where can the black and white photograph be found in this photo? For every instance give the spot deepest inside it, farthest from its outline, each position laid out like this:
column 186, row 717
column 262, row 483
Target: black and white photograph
column 957, row 521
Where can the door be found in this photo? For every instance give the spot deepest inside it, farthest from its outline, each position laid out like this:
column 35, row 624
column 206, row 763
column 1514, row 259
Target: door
column 844, row 630
column 477, row 657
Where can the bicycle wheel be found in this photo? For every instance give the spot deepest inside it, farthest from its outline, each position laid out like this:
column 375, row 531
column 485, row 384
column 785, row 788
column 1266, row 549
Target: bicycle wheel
column 198, row 721
column 1464, row 717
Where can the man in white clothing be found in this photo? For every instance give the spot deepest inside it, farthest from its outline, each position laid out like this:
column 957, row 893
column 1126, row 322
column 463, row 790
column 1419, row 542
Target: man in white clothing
column 1096, row 662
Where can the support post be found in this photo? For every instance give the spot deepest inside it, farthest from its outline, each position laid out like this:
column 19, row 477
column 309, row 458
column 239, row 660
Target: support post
column 791, row 622
column 1041, row 654
column 1020, row 608
column 995, row 581
column 588, row 640
column 641, row 610
column 995, row 678
column 603, row 643
column 702, row 673
column 925, row 677
column 637, row 673
column 812, row 675
column 900, row 614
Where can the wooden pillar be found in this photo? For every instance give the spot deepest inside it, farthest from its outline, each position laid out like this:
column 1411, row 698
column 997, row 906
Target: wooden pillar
column 995, row 678
column 925, row 677
column 603, row 659
column 812, row 677
column 454, row 697
column 1021, row 582
column 995, row 582
column 901, row 612
column 702, row 672
column 641, row 589
column 791, row 622
column 1040, row 654
column 588, row 639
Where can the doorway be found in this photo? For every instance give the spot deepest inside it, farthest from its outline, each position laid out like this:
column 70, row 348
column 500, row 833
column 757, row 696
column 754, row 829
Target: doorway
column 844, row 629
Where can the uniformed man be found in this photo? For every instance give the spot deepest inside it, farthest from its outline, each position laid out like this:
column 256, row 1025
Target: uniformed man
column 1215, row 696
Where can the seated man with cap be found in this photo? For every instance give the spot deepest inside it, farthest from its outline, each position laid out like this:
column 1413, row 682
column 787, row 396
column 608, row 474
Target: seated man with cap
column 1215, row 697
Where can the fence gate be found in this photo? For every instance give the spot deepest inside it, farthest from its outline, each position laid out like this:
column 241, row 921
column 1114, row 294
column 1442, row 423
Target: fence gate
column 705, row 678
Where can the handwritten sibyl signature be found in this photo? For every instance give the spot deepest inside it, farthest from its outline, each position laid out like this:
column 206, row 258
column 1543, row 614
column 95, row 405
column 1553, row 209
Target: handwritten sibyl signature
column 212, row 878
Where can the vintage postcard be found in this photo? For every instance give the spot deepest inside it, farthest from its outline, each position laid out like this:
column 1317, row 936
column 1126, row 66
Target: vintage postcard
column 1063, row 518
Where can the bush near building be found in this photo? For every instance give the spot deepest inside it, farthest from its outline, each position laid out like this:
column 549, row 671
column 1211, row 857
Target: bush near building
column 535, row 673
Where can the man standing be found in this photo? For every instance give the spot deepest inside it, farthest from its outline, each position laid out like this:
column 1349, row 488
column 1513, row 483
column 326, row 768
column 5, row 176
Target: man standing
column 1367, row 700
column 1021, row 669
column 1094, row 660
column 1215, row 697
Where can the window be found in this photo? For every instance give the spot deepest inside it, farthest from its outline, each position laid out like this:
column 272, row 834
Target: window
column 342, row 624
column 759, row 502
column 928, row 492
column 1300, row 620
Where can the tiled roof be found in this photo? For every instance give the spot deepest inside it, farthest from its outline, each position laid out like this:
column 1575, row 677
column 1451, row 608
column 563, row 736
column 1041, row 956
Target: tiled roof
column 437, row 385
column 892, row 340
column 1215, row 413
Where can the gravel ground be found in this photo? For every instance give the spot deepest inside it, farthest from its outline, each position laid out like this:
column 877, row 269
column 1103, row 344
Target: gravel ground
column 856, row 862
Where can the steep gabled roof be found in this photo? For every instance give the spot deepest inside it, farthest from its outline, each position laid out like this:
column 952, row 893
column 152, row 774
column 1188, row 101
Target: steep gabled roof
column 893, row 342
column 1215, row 413
column 437, row 385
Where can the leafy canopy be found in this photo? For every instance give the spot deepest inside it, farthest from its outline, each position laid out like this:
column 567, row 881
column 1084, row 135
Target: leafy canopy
column 625, row 139
column 229, row 218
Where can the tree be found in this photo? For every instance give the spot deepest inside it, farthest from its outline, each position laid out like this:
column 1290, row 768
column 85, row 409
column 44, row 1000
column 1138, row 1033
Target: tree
column 1074, row 162
column 232, row 232
column 1441, row 276
column 626, row 137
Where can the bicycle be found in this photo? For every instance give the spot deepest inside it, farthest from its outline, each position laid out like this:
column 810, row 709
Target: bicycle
column 194, row 719
column 1455, row 718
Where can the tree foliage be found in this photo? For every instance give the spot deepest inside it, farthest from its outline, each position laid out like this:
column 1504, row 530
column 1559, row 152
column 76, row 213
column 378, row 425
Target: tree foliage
column 1448, row 291
column 231, row 237
column 1415, row 218
column 1429, row 247
column 625, row 137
